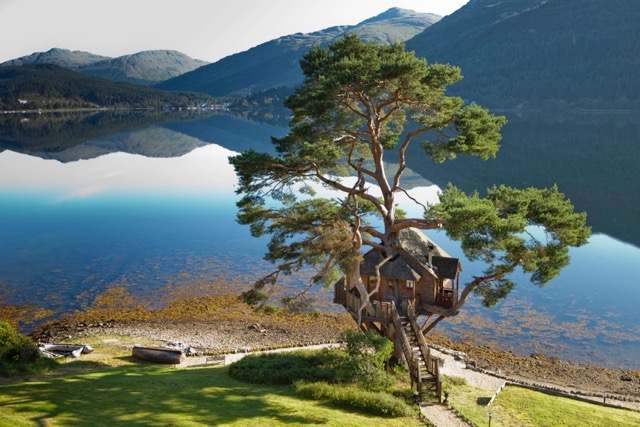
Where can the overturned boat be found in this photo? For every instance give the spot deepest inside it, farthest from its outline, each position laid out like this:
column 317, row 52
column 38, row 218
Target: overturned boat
column 62, row 350
column 159, row 355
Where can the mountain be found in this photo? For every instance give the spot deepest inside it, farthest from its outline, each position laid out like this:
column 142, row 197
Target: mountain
column 49, row 86
column 72, row 60
column 276, row 63
column 540, row 53
column 144, row 68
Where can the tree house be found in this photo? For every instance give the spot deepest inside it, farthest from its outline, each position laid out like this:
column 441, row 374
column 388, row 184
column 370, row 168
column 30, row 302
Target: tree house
column 404, row 294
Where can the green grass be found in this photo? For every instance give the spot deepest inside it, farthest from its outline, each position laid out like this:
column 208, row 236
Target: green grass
column 468, row 401
column 287, row 367
column 517, row 406
column 332, row 377
column 108, row 387
column 352, row 397
column 146, row 395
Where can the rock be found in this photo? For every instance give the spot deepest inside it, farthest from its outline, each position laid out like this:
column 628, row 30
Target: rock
column 471, row 364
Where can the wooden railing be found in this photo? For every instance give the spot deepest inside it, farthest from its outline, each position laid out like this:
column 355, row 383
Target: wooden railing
column 447, row 299
column 432, row 363
column 422, row 343
column 412, row 361
column 353, row 302
column 340, row 292
column 381, row 309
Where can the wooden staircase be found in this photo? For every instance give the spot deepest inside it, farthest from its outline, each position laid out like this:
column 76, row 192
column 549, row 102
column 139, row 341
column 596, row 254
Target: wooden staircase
column 424, row 368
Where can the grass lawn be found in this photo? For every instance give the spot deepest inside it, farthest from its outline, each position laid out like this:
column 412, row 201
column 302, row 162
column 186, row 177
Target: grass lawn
column 517, row 406
column 92, row 392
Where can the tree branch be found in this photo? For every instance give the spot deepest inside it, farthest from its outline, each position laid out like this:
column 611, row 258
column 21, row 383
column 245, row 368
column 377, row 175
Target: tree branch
column 469, row 287
column 413, row 199
column 402, row 161
column 420, row 224
column 364, row 303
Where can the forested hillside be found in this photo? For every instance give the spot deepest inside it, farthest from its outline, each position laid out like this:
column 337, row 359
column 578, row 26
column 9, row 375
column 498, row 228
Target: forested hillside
column 553, row 54
column 50, row 86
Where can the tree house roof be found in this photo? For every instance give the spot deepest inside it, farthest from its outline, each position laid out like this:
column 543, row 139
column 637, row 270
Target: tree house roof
column 419, row 246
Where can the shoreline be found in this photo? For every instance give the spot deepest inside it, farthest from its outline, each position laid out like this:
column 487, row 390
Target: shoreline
column 222, row 325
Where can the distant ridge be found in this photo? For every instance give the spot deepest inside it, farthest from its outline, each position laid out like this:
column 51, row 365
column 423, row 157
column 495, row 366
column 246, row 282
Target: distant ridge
column 143, row 68
column 275, row 63
column 71, row 59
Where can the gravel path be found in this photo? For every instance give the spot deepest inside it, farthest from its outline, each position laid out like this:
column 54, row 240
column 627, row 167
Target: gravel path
column 230, row 358
column 441, row 415
column 457, row 368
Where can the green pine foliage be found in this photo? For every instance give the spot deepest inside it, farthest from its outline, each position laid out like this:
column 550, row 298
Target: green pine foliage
column 351, row 113
column 497, row 230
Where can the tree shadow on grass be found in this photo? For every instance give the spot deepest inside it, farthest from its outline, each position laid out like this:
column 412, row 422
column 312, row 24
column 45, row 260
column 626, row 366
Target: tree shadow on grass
column 483, row 401
column 146, row 395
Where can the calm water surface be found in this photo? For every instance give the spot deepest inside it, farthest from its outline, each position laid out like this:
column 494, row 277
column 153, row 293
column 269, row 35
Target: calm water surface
column 146, row 201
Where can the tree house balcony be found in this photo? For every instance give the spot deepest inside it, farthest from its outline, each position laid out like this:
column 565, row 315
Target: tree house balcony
column 381, row 310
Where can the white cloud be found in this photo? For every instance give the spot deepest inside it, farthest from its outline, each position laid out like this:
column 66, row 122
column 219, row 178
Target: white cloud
column 204, row 168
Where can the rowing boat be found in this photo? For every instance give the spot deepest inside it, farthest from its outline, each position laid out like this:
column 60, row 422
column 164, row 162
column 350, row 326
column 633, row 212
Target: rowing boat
column 159, row 355
column 69, row 350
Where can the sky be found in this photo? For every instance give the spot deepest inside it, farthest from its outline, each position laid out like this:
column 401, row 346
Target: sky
column 203, row 29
